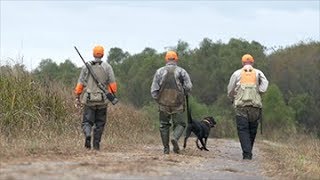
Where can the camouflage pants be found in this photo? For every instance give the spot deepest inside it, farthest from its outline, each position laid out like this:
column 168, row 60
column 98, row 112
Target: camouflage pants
column 179, row 124
column 247, row 119
column 94, row 117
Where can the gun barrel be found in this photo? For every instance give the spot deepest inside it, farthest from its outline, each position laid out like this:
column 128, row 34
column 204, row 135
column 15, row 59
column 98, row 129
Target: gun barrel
column 79, row 54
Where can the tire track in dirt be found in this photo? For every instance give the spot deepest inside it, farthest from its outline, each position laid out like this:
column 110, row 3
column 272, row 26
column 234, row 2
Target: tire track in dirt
column 223, row 161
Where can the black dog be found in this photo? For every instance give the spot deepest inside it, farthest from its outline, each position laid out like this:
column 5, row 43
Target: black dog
column 200, row 128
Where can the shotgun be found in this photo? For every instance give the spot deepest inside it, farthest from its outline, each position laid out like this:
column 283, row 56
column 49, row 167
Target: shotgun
column 110, row 95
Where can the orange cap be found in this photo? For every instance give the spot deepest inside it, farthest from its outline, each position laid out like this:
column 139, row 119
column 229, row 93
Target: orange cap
column 247, row 58
column 98, row 52
column 171, row 55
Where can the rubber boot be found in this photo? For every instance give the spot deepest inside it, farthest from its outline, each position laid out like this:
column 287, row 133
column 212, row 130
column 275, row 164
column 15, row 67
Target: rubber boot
column 96, row 140
column 177, row 132
column 87, row 133
column 87, row 143
column 165, row 141
column 96, row 145
column 97, row 133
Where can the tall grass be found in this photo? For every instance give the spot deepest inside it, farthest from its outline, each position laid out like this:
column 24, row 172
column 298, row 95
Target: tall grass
column 31, row 108
column 37, row 117
column 295, row 157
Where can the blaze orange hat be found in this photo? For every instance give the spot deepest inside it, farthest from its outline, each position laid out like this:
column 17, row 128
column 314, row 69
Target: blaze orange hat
column 98, row 51
column 171, row 55
column 247, row 58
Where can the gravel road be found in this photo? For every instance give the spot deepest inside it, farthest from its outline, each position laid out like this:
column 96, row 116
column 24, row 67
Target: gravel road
column 223, row 161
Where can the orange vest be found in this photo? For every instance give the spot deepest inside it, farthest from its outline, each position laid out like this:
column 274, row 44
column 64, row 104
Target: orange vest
column 248, row 76
column 247, row 93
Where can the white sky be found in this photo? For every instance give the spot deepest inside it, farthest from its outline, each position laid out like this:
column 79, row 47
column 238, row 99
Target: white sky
column 49, row 29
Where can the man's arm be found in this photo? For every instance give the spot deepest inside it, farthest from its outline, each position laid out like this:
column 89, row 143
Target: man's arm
column 81, row 82
column 112, row 84
column 263, row 82
column 155, row 86
column 232, row 86
column 187, row 84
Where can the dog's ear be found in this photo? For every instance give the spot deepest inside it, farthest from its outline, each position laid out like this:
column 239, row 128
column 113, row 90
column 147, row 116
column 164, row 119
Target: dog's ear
column 213, row 121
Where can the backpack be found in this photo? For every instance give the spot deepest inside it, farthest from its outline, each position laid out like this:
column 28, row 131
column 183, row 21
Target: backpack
column 170, row 95
column 247, row 94
column 93, row 94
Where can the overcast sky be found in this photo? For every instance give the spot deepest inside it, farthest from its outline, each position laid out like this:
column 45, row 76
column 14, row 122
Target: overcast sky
column 49, row 29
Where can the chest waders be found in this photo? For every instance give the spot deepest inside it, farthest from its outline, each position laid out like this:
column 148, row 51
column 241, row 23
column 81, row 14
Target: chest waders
column 171, row 99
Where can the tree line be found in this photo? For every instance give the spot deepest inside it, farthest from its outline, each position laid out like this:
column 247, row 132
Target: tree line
column 292, row 102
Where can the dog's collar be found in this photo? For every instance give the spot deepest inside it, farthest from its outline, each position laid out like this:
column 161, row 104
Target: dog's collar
column 205, row 120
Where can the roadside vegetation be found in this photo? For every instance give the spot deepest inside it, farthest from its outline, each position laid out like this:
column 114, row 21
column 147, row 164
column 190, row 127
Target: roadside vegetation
column 294, row 157
column 37, row 114
column 40, row 118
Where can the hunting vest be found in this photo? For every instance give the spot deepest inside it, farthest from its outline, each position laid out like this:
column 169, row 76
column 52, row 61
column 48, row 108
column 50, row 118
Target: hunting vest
column 93, row 95
column 247, row 93
column 171, row 96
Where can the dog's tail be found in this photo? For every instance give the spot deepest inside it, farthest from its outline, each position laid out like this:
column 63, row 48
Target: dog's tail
column 188, row 110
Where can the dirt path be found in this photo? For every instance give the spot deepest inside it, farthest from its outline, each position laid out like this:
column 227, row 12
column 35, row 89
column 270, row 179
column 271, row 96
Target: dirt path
column 223, row 161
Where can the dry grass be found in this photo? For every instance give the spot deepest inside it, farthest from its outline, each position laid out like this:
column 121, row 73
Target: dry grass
column 40, row 118
column 125, row 126
column 298, row 157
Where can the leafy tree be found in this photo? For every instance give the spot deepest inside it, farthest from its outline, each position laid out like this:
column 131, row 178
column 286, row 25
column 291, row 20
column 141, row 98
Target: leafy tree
column 182, row 48
column 47, row 70
column 68, row 73
column 306, row 112
column 296, row 71
column 117, row 55
column 65, row 72
column 277, row 116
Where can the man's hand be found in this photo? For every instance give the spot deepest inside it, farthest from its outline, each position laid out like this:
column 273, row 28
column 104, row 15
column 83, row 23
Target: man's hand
column 77, row 103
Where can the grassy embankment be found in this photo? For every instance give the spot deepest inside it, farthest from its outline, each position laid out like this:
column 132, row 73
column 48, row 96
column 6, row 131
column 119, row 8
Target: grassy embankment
column 295, row 157
column 40, row 118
